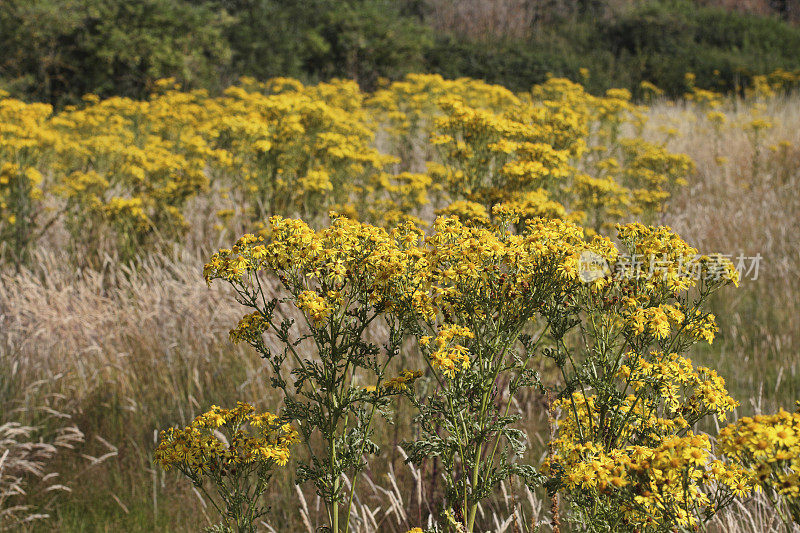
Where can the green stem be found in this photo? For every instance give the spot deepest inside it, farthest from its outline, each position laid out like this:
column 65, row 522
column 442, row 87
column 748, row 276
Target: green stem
column 454, row 418
column 473, row 510
column 470, row 514
column 334, row 503
column 355, row 478
column 511, row 387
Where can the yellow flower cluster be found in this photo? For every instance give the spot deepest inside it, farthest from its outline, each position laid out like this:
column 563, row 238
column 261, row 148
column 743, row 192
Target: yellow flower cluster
column 469, row 213
column 447, row 356
column 656, row 320
column 394, row 198
column 663, row 262
column 672, row 482
column 778, row 81
column 651, row 174
column 324, row 269
column 314, row 306
column 674, row 479
column 554, row 152
column 249, row 329
column 477, row 270
column 401, row 382
column 346, row 264
column 684, row 390
column 477, row 290
column 13, row 181
column 407, row 105
column 298, row 150
column 197, row 450
column 769, row 447
column 278, row 148
column 641, row 454
column 24, row 142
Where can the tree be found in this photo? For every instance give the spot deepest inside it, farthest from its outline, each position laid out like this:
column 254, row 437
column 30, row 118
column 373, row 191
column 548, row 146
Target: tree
column 58, row 50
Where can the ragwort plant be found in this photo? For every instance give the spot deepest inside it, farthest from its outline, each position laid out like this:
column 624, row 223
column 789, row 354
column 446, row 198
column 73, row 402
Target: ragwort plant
column 229, row 455
column 626, row 455
column 25, row 144
column 126, row 169
column 118, row 174
column 557, row 152
column 299, row 150
column 342, row 279
column 487, row 286
column 482, row 301
column 408, row 108
column 132, row 167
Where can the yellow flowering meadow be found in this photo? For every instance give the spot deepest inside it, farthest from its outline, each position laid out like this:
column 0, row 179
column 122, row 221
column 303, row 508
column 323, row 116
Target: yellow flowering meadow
column 446, row 243
column 119, row 174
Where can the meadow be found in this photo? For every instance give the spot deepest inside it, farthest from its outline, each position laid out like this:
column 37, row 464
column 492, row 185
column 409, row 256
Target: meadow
column 443, row 207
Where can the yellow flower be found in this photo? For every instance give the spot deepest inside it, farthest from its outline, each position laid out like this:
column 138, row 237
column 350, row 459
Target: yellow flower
column 447, row 356
column 314, row 306
column 401, row 382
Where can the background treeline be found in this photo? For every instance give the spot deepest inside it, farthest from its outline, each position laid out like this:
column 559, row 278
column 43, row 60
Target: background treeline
column 57, row 50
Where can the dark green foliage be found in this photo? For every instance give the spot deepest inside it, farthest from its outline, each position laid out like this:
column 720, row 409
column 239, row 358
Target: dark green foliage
column 515, row 65
column 658, row 42
column 320, row 39
column 58, row 50
column 267, row 38
column 662, row 41
column 364, row 40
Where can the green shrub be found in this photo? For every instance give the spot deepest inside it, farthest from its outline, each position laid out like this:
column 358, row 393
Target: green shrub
column 58, row 50
column 321, row 39
column 662, row 41
column 657, row 42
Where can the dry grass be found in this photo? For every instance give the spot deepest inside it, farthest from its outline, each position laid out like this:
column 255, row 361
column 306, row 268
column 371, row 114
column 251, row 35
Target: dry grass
column 126, row 350
column 479, row 20
column 749, row 205
column 27, row 454
column 783, row 8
